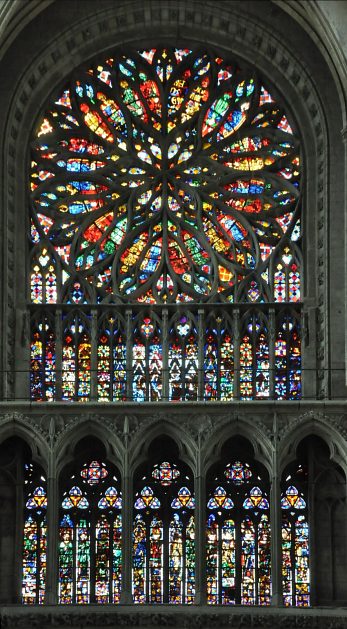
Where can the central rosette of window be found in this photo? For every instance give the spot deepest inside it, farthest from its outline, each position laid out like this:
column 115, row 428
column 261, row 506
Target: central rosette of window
column 174, row 177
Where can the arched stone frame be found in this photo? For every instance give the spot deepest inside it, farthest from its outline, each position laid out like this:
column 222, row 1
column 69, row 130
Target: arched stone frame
column 313, row 425
column 210, row 454
column 187, row 455
column 223, row 27
column 14, row 426
column 64, row 456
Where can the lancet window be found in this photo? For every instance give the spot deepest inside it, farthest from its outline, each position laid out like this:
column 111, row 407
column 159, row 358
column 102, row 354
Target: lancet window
column 34, row 536
column 164, row 536
column 295, row 539
column 238, row 540
column 90, row 536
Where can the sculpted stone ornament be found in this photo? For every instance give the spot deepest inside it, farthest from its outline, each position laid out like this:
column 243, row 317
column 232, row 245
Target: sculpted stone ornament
column 238, row 619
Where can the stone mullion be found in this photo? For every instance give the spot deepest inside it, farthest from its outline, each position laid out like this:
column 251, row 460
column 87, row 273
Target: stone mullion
column 51, row 597
column 236, row 341
column 201, row 341
column 272, row 341
column 311, row 527
column 165, row 346
column 18, row 527
column 276, row 524
column 185, row 521
column 127, row 524
column 58, row 324
column 166, row 520
column 92, row 552
column 200, row 536
column 129, row 354
column 344, row 137
column 94, row 357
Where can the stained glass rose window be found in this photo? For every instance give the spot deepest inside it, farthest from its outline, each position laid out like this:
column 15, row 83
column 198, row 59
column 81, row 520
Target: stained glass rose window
column 165, row 175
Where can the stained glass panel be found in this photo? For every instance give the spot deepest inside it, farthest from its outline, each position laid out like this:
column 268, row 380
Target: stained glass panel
column 238, row 559
column 264, row 561
column 179, row 219
column 212, row 560
column 43, row 360
column 228, row 564
column 139, row 560
column 90, row 548
column 189, row 589
column 66, row 560
column 34, row 537
column 111, row 370
column 155, row 561
column 295, row 548
column 160, row 177
column 82, row 561
column 76, row 360
column 164, row 537
column 175, row 560
column 288, row 358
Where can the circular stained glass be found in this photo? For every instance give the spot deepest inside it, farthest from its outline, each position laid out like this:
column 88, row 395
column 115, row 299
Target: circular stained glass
column 164, row 175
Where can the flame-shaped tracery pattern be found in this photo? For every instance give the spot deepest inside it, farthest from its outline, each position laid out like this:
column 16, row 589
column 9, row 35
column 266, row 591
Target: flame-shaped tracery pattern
column 163, row 176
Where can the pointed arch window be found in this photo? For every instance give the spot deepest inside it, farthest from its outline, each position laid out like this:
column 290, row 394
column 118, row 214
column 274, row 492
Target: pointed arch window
column 238, row 537
column 288, row 367
column 254, row 357
column 76, row 357
column 183, row 358
column 295, row 540
column 111, row 360
column 34, row 536
column 90, row 535
column 165, row 182
column 163, row 536
column 218, row 358
column 147, row 360
column 43, row 358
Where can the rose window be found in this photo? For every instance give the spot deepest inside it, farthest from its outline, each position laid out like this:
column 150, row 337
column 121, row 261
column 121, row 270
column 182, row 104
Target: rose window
column 163, row 176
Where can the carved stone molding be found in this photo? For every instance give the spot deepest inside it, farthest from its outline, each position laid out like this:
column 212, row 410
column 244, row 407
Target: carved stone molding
column 216, row 23
column 198, row 619
column 290, row 423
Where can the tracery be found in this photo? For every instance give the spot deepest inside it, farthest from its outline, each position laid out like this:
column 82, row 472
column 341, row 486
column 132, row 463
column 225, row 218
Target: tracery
column 34, row 536
column 165, row 175
column 161, row 177
column 295, row 539
column 164, row 536
column 90, row 536
column 238, row 537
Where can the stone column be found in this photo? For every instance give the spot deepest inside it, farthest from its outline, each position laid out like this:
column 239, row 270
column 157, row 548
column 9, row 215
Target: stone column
column 127, row 513
column 311, row 525
column 165, row 341
column 276, row 523
column 59, row 353
column 344, row 137
column 236, row 341
column 201, row 340
column 14, row 530
column 272, row 339
column 94, row 357
column 52, row 531
column 200, row 532
column 129, row 353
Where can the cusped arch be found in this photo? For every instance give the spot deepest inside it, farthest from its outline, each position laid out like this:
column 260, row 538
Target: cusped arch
column 162, row 427
column 313, row 424
column 17, row 426
column 66, row 444
column 232, row 26
column 244, row 427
